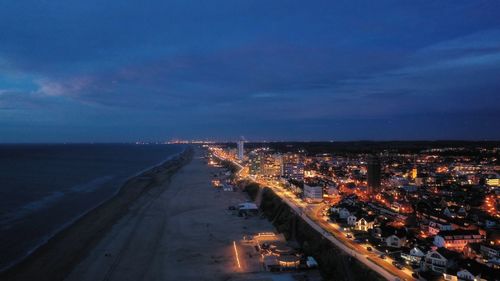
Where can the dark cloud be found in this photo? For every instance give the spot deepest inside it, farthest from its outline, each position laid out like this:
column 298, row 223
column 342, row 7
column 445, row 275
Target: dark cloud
column 193, row 69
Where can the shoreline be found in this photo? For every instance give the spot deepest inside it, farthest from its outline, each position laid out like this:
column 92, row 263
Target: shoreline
column 57, row 254
column 45, row 239
column 182, row 232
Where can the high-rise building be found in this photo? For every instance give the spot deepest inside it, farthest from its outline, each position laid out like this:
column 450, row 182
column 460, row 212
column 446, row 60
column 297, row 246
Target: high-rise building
column 272, row 166
column 293, row 167
column 241, row 149
column 256, row 163
column 373, row 174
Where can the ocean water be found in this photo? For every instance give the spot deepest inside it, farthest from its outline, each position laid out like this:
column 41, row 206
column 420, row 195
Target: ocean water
column 45, row 187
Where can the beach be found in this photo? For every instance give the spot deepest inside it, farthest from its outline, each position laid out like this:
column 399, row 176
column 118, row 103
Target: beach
column 179, row 229
column 184, row 232
column 55, row 259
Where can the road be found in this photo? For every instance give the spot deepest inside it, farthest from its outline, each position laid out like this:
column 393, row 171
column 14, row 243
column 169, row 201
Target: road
column 310, row 214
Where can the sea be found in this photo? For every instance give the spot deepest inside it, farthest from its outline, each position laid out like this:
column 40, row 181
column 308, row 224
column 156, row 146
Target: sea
column 46, row 187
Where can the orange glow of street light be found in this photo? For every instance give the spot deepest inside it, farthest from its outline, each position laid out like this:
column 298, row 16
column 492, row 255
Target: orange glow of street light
column 236, row 254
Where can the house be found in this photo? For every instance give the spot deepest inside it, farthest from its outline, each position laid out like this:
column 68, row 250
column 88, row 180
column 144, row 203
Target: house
column 414, row 256
column 436, row 226
column 457, row 239
column 391, row 236
column 471, row 270
column 344, row 210
column 490, row 251
column 344, row 213
column 351, row 220
column 438, row 260
column 396, row 240
column 365, row 223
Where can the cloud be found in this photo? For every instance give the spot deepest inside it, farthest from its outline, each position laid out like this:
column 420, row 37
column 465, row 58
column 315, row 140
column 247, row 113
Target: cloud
column 253, row 61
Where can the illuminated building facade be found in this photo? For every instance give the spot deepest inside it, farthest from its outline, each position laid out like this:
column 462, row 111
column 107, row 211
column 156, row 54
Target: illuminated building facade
column 256, row 163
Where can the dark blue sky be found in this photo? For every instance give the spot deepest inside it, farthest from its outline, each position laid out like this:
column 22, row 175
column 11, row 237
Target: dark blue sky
column 95, row 70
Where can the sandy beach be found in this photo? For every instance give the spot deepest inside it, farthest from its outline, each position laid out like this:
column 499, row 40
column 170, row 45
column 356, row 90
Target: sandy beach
column 181, row 232
column 55, row 259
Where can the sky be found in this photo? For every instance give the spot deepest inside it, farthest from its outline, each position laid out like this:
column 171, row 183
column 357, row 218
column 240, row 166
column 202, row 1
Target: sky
column 120, row 71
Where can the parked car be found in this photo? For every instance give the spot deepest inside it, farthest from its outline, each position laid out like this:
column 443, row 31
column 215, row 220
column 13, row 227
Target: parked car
column 369, row 249
column 382, row 256
column 397, row 264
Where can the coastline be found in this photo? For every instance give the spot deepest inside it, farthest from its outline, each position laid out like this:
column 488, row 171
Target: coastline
column 57, row 254
column 182, row 232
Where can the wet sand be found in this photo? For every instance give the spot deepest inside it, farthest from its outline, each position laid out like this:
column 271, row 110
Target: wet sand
column 56, row 259
column 181, row 232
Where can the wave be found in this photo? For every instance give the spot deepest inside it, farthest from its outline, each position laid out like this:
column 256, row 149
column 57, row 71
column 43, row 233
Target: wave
column 47, row 201
column 86, row 187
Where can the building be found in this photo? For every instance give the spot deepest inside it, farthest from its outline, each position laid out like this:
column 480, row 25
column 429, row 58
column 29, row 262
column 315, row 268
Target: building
column 493, row 182
column 373, row 180
column 457, row 239
column 272, row 166
column 414, row 173
column 414, row 256
column 471, row 270
column 293, row 167
column 435, row 227
column 255, row 164
column 391, row 236
column 241, row 150
column 351, row 220
column 365, row 223
column 313, row 194
column 490, row 251
column 438, row 260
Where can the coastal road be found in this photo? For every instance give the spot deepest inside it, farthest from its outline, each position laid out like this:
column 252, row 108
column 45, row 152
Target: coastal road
column 382, row 267
column 354, row 252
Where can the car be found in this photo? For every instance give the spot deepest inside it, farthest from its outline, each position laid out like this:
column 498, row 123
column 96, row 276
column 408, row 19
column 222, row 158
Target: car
column 369, row 249
column 349, row 236
column 382, row 256
column 398, row 265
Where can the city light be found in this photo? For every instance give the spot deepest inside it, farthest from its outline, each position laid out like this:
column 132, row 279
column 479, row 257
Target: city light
column 236, row 255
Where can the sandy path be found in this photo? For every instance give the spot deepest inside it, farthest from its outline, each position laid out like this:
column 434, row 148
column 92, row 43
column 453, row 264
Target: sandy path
column 181, row 233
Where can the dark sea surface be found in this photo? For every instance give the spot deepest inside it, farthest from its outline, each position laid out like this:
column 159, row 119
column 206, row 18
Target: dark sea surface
column 45, row 187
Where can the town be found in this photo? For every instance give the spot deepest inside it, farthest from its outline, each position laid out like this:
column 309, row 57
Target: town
column 427, row 213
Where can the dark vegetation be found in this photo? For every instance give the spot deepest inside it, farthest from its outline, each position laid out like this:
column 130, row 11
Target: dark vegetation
column 252, row 189
column 230, row 166
column 347, row 147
